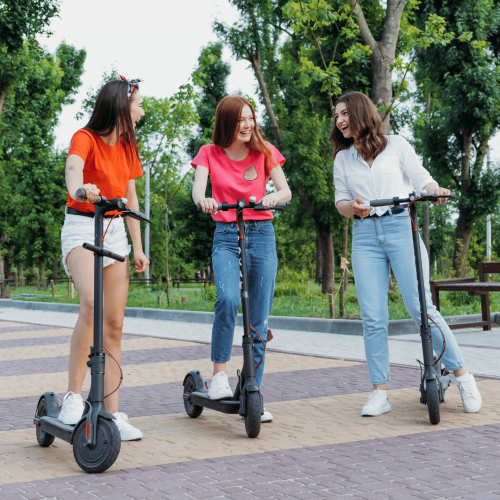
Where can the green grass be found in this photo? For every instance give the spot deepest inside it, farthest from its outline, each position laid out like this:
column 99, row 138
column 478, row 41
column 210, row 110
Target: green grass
column 291, row 299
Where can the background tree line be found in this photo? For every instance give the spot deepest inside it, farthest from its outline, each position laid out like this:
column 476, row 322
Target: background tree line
column 431, row 68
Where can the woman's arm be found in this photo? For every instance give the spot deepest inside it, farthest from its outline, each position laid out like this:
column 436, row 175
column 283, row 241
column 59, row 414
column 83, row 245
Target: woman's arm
column 74, row 180
column 134, row 227
column 282, row 193
column 348, row 208
column 209, row 205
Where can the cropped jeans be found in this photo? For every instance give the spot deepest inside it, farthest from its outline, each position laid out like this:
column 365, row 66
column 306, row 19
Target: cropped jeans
column 262, row 263
column 376, row 242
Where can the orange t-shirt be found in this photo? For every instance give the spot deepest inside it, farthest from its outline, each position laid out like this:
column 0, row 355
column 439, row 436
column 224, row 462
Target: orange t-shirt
column 108, row 167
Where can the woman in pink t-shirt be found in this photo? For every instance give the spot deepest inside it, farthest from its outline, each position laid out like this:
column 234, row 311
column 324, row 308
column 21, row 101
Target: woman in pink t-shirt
column 239, row 163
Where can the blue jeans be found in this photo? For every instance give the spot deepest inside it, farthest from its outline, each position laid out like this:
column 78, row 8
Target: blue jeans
column 376, row 243
column 262, row 264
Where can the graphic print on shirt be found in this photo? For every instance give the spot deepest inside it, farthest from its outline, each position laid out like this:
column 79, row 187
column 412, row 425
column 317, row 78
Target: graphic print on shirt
column 250, row 173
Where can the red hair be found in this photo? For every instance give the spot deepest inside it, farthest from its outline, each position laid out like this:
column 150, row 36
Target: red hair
column 227, row 119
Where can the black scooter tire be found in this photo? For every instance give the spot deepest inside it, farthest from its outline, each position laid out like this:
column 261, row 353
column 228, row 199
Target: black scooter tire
column 254, row 414
column 44, row 439
column 106, row 451
column 194, row 411
column 433, row 401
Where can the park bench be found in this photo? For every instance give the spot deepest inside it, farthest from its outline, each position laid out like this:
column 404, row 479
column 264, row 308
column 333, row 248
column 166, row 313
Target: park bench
column 480, row 288
column 142, row 281
column 178, row 281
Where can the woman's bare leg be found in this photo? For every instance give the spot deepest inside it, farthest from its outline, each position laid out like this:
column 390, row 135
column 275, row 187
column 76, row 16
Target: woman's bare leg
column 115, row 300
column 81, row 265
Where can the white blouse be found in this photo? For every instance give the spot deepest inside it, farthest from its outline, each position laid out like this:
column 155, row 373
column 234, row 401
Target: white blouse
column 397, row 171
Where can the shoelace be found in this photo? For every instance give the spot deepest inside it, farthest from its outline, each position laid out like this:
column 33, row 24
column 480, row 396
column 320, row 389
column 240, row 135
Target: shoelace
column 123, row 416
column 75, row 402
column 466, row 387
column 375, row 397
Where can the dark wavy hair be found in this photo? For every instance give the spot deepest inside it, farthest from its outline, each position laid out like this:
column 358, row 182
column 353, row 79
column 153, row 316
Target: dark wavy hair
column 365, row 124
column 112, row 113
column 227, row 118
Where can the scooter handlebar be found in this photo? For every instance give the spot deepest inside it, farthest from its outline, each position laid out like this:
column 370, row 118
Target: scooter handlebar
column 280, row 205
column 423, row 197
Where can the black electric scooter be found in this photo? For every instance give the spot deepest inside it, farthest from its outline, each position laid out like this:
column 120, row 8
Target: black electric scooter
column 247, row 400
column 434, row 378
column 95, row 438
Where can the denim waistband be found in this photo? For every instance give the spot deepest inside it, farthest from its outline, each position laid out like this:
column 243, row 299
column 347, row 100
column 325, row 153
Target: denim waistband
column 254, row 223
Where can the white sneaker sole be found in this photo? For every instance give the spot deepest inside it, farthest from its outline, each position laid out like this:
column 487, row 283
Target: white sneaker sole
column 72, row 420
column 385, row 409
column 217, row 397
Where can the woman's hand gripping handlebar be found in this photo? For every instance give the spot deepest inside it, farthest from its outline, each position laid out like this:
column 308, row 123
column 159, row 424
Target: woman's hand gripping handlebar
column 280, row 205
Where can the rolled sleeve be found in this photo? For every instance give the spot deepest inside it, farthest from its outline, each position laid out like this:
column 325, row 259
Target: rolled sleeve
column 342, row 191
column 413, row 168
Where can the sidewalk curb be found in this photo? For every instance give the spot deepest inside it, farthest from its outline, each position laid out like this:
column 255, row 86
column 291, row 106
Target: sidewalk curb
column 339, row 326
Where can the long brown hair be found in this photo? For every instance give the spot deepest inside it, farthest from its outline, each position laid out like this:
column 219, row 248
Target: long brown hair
column 227, row 118
column 112, row 113
column 365, row 124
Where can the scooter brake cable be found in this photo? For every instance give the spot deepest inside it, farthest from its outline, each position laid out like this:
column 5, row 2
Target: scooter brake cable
column 411, row 218
column 104, row 235
column 119, row 367
column 444, row 341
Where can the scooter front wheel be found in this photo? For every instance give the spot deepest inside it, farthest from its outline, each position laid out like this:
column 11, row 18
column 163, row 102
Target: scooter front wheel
column 44, row 439
column 254, row 414
column 432, row 390
column 106, row 451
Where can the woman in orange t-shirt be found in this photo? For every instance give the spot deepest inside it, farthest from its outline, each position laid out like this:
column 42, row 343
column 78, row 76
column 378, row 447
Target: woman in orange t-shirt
column 103, row 159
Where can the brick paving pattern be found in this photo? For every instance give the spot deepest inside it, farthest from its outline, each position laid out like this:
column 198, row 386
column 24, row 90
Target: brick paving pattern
column 317, row 447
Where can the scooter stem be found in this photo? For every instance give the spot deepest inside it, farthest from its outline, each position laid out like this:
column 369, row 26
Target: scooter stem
column 425, row 329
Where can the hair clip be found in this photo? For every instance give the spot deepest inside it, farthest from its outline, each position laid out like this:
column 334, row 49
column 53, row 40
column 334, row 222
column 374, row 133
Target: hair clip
column 131, row 84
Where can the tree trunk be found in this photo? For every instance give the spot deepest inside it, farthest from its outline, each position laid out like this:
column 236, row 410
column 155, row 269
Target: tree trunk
column 43, row 278
column 255, row 61
column 55, row 267
column 343, row 267
column 328, row 269
column 20, row 275
column 383, row 54
column 36, row 278
column 463, row 232
column 319, row 260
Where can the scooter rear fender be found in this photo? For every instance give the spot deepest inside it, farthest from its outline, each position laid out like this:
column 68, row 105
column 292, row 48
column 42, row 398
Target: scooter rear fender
column 52, row 404
column 198, row 380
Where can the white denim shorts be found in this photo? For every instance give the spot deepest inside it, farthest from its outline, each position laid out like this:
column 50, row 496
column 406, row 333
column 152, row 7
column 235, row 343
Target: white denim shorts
column 78, row 229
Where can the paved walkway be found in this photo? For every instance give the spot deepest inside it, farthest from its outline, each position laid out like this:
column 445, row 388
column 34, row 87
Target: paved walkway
column 317, row 447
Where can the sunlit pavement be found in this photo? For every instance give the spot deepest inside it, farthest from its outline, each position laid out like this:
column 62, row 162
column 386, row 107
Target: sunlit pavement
column 318, row 445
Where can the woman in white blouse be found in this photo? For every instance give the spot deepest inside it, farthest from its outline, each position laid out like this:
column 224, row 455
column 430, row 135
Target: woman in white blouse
column 369, row 165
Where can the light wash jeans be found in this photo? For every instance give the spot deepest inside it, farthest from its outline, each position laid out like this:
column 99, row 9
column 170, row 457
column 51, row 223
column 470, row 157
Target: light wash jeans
column 376, row 242
column 262, row 263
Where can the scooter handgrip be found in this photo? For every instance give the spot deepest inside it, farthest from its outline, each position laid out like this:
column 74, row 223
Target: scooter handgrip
column 280, row 205
column 381, row 203
column 198, row 207
column 80, row 192
column 103, row 252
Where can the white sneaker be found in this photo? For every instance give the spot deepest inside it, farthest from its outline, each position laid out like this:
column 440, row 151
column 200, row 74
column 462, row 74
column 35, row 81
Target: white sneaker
column 219, row 387
column 72, row 409
column 377, row 404
column 471, row 399
column 266, row 416
column 127, row 431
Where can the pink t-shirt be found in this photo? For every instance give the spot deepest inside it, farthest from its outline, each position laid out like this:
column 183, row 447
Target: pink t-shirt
column 236, row 180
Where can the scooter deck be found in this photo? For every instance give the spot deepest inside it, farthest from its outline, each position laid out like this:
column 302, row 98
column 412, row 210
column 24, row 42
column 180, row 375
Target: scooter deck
column 222, row 405
column 55, row 427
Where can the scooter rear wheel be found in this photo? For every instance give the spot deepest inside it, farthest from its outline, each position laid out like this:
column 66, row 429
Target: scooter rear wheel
column 106, row 451
column 432, row 390
column 254, row 414
column 192, row 410
column 42, row 437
